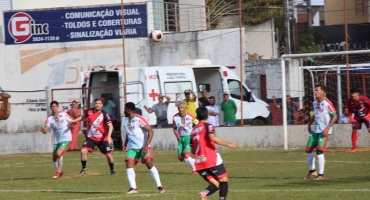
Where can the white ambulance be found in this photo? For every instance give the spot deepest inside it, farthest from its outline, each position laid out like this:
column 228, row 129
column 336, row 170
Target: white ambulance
column 145, row 83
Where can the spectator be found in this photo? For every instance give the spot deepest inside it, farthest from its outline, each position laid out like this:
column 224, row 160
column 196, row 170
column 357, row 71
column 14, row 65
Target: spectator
column 74, row 112
column 213, row 112
column 160, row 110
column 204, row 101
column 291, row 107
column 190, row 106
column 229, row 108
column 109, row 107
column 303, row 118
column 344, row 118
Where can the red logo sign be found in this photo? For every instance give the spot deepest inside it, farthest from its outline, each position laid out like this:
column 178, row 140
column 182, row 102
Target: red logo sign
column 21, row 27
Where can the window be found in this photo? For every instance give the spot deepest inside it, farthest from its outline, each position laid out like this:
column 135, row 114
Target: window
column 135, row 92
column 202, row 87
column 234, row 88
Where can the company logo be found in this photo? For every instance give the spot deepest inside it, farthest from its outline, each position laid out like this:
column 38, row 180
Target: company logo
column 21, row 27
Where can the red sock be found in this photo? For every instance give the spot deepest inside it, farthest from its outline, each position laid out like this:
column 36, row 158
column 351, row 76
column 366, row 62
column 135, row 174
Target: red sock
column 354, row 139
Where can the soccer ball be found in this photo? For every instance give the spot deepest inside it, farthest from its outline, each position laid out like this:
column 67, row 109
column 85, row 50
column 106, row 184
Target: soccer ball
column 156, row 35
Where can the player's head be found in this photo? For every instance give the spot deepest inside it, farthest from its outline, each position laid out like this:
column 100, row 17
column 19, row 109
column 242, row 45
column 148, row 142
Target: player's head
column 320, row 92
column 211, row 100
column 129, row 109
column 98, row 104
column 54, row 106
column 181, row 108
column 355, row 93
column 202, row 113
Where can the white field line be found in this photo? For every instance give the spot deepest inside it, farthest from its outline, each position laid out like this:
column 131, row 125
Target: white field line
column 66, row 162
column 152, row 192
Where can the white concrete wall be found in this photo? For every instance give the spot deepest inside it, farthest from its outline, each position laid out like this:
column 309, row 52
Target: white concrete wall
column 259, row 39
column 246, row 137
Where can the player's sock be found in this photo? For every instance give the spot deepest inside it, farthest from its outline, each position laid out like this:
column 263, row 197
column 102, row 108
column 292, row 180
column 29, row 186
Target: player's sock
column 210, row 190
column 60, row 164
column 155, row 175
column 111, row 166
column 354, row 139
column 224, row 187
column 83, row 162
column 131, row 177
column 191, row 162
column 55, row 161
column 321, row 162
column 311, row 160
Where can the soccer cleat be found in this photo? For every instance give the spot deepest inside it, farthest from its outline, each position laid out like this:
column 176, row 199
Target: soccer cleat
column 319, row 177
column 160, row 189
column 112, row 172
column 57, row 175
column 132, row 191
column 194, row 172
column 353, row 150
column 311, row 175
column 82, row 172
column 203, row 196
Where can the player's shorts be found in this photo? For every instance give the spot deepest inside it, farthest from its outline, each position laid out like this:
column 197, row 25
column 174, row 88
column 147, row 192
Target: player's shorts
column 62, row 145
column 318, row 141
column 135, row 154
column 183, row 147
column 216, row 172
column 358, row 123
column 103, row 146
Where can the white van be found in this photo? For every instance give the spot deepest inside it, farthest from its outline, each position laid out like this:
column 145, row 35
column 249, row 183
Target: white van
column 144, row 84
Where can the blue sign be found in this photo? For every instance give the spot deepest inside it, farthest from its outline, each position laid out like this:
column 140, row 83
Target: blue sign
column 76, row 24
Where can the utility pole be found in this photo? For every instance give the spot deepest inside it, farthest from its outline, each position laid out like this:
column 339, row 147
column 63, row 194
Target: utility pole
column 287, row 28
column 309, row 14
column 292, row 13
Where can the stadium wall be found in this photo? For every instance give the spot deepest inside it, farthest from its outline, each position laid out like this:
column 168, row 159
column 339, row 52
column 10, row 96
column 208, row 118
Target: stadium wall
column 246, row 137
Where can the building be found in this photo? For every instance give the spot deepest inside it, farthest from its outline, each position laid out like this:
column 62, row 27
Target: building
column 358, row 12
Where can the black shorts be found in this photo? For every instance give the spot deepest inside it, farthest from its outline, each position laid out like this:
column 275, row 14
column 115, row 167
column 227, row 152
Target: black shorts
column 89, row 144
column 216, row 172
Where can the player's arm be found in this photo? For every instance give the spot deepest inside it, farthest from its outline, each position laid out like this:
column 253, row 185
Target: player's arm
column 221, row 142
column 125, row 144
column 350, row 112
column 334, row 118
column 46, row 126
column 175, row 131
column 150, row 134
column 312, row 120
column 367, row 104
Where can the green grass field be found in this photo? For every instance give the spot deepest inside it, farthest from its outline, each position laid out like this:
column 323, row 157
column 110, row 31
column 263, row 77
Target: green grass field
column 253, row 174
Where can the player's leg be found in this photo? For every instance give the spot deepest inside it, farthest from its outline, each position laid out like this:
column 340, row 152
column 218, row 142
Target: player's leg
column 311, row 144
column 106, row 150
column 219, row 172
column 355, row 127
column 148, row 160
column 322, row 145
column 87, row 146
column 60, row 151
column 132, row 157
column 213, row 184
column 186, row 153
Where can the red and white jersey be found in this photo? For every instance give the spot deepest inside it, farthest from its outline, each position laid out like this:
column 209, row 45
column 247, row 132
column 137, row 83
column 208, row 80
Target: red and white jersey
column 137, row 135
column 60, row 127
column 205, row 153
column 184, row 125
column 359, row 108
column 321, row 112
column 98, row 124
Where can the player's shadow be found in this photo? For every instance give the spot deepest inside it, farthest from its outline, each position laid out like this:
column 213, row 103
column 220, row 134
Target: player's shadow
column 20, row 179
column 80, row 192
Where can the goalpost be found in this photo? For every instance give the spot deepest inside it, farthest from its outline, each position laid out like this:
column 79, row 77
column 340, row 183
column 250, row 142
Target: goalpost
column 326, row 66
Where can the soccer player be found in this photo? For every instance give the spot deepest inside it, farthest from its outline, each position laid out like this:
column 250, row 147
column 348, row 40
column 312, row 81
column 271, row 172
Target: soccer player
column 208, row 162
column 100, row 135
column 324, row 117
column 358, row 112
column 137, row 144
column 58, row 121
column 182, row 126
